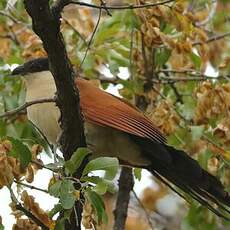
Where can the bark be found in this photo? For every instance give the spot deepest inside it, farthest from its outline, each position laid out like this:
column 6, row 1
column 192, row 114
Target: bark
column 46, row 24
column 125, row 186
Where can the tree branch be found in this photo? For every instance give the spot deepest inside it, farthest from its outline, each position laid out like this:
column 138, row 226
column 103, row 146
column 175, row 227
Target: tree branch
column 30, row 186
column 31, row 216
column 122, row 7
column 91, row 38
column 46, row 24
column 144, row 209
column 194, row 75
column 125, row 186
column 212, row 39
column 24, row 106
column 3, row 13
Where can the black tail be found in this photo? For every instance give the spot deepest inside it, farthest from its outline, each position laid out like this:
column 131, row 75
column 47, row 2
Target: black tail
column 186, row 174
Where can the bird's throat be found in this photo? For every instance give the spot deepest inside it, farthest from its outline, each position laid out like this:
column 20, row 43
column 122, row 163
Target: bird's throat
column 45, row 116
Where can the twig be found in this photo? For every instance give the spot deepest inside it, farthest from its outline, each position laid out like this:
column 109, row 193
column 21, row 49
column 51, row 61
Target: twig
column 106, row 9
column 211, row 14
column 212, row 39
column 196, row 76
column 43, row 166
column 125, row 186
column 30, row 186
column 74, row 29
column 179, row 97
column 144, row 57
column 122, row 7
column 31, row 216
column 91, row 38
column 144, row 209
column 14, row 36
column 9, row 16
column 24, row 106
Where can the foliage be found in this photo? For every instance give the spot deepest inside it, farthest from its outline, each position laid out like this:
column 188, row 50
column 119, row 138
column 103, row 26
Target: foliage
column 169, row 51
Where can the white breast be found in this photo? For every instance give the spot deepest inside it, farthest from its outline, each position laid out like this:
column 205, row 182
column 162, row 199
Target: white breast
column 45, row 116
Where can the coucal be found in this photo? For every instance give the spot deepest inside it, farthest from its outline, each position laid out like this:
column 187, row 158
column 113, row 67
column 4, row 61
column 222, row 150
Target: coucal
column 115, row 128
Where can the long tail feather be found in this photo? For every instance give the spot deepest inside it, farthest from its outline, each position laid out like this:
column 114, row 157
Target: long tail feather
column 185, row 173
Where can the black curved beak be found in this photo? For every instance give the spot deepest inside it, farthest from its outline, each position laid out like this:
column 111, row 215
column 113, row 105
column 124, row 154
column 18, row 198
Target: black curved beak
column 20, row 70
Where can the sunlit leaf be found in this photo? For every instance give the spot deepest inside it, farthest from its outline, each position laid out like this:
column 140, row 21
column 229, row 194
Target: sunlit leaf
column 196, row 60
column 108, row 164
column 137, row 173
column 197, row 132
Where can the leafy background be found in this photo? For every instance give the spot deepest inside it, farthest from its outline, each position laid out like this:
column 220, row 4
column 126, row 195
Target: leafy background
column 176, row 62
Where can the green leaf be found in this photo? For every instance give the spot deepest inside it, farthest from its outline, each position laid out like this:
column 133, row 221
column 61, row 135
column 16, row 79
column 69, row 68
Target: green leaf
column 98, row 204
column 137, row 173
column 107, row 30
column 67, row 187
column 54, row 166
column 64, row 190
column 118, row 58
column 2, row 128
column 60, row 225
column 188, row 108
column 203, row 158
column 2, row 227
column 162, row 56
column 101, row 187
column 109, row 164
column 197, row 132
column 130, row 19
column 20, row 151
column 98, row 180
column 67, row 200
column 196, row 60
column 54, row 190
column 76, row 159
column 57, row 208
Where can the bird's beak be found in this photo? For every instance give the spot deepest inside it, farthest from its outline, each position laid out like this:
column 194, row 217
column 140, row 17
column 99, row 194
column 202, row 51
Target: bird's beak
column 20, row 70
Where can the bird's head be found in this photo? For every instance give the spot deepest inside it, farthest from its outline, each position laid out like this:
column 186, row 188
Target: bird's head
column 32, row 66
column 38, row 79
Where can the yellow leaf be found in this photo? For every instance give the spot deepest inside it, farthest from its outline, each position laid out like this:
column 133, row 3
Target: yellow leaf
column 227, row 155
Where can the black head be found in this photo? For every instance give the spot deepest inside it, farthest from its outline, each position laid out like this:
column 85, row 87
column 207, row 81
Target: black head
column 32, row 66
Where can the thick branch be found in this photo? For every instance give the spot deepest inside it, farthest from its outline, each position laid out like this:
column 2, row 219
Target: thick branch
column 125, row 186
column 46, row 24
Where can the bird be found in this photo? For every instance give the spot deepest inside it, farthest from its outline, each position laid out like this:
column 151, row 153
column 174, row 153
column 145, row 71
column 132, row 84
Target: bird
column 115, row 128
